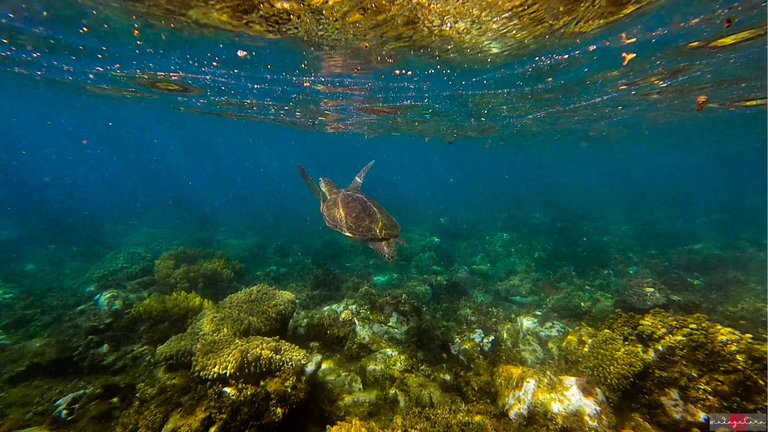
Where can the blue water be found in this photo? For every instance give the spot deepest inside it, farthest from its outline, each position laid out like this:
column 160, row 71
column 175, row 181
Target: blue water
column 562, row 147
column 74, row 164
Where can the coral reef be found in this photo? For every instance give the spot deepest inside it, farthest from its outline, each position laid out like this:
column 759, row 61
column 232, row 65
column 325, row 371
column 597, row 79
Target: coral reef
column 179, row 306
column 248, row 359
column 702, row 367
column 231, row 338
column 164, row 315
column 642, row 294
column 257, row 378
column 535, row 400
column 601, row 356
column 446, row 417
column 527, row 341
column 258, row 310
column 119, row 267
column 352, row 329
column 491, row 336
column 210, row 274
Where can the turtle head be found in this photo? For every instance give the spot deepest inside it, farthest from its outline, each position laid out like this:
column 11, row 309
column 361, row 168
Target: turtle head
column 327, row 186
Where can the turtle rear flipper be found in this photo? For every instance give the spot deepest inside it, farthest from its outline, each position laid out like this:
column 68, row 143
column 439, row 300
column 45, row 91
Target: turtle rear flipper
column 310, row 183
column 358, row 181
column 385, row 248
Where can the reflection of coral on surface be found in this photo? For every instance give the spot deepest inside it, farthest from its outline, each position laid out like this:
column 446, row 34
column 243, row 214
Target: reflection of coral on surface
column 448, row 27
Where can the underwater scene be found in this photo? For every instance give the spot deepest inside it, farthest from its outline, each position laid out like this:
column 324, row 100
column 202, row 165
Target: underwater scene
column 383, row 215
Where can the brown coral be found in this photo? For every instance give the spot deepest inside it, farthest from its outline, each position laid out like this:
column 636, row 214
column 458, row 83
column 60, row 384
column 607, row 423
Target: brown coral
column 694, row 367
column 210, row 274
column 253, row 379
column 258, row 310
column 247, row 359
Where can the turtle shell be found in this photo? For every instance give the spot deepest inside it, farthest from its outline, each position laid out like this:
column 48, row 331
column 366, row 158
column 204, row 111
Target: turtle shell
column 358, row 216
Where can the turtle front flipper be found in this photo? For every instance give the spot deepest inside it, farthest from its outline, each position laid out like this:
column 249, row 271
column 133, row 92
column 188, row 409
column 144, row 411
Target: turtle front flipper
column 358, row 181
column 312, row 186
column 386, row 248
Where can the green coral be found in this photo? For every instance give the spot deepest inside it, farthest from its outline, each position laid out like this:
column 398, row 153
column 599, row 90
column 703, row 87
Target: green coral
column 230, row 338
column 178, row 306
column 120, row 267
column 252, row 379
column 210, row 274
column 162, row 316
column 602, row 356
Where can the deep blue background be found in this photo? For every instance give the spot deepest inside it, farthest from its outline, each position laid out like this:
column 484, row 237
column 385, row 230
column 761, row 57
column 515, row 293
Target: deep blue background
column 79, row 169
column 70, row 161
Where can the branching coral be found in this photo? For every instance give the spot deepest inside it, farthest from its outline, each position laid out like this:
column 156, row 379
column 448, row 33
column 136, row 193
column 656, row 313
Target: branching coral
column 601, row 356
column 210, row 274
column 693, row 366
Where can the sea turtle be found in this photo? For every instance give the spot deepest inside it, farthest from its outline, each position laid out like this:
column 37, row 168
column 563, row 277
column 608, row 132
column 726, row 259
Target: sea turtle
column 356, row 215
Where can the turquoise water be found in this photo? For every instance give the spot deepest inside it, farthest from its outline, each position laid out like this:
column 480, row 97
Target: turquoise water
column 554, row 184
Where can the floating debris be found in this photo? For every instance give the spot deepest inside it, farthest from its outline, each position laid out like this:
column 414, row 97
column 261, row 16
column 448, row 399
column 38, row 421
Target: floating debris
column 703, row 101
column 118, row 91
column 734, row 39
column 627, row 57
column 378, row 110
column 660, row 78
column 750, row 103
column 167, row 86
